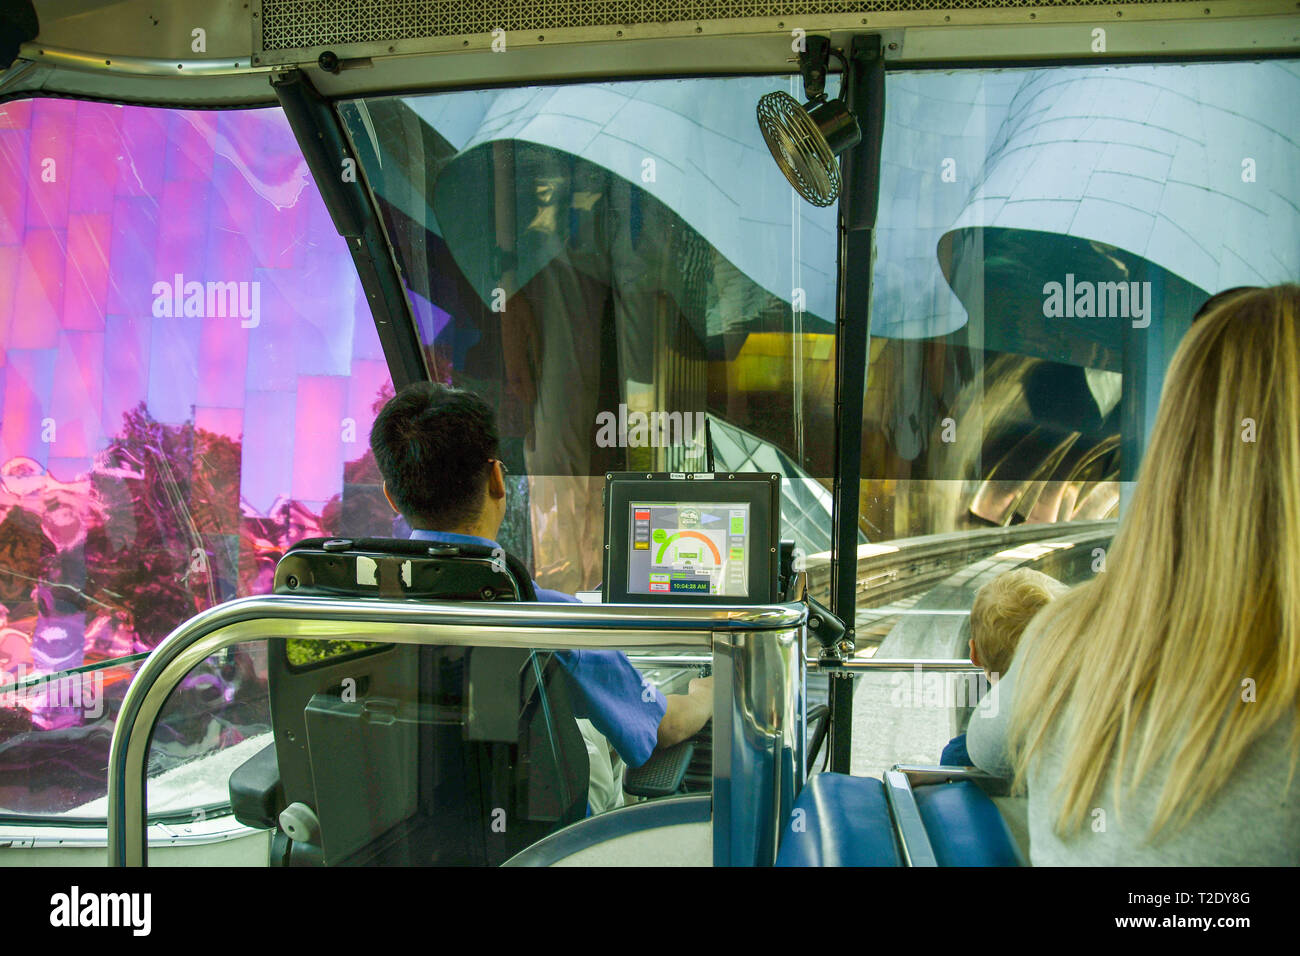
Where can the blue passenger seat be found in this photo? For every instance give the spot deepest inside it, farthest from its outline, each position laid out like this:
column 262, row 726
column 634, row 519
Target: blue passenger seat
column 965, row 827
column 841, row 820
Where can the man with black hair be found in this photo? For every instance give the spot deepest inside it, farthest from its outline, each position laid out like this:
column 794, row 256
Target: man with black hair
column 437, row 449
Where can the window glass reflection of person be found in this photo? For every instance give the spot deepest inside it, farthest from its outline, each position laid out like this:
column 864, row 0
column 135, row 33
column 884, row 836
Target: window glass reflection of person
column 1152, row 711
column 565, row 292
column 437, row 448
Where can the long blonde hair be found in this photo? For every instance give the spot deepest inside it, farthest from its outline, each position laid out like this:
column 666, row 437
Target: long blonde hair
column 1187, row 647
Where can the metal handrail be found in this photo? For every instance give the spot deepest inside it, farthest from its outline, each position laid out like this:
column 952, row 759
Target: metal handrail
column 542, row 626
column 954, row 665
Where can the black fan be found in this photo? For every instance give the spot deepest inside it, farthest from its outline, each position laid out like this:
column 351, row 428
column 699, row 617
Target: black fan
column 804, row 140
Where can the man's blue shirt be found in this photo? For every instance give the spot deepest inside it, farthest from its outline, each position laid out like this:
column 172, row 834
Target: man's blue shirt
column 608, row 690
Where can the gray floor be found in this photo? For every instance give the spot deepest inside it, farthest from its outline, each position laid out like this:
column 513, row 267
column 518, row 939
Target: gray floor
column 887, row 728
column 892, row 724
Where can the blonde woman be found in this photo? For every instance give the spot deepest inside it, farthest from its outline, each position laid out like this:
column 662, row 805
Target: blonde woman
column 1152, row 712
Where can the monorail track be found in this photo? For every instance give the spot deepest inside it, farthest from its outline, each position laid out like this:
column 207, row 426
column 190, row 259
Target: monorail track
column 908, row 567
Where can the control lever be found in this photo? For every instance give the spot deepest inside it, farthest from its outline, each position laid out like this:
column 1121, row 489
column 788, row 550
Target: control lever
column 828, row 630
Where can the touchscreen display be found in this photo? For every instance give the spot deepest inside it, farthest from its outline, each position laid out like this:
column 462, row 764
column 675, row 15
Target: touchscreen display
column 689, row 548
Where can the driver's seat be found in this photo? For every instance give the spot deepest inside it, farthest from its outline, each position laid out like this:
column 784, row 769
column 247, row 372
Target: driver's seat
column 398, row 754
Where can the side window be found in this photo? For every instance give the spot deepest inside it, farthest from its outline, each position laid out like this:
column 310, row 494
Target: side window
column 1045, row 237
column 188, row 375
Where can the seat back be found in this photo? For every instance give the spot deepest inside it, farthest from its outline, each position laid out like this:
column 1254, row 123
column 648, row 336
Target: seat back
column 945, row 816
column 965, row 827
column 415, row 755
column 840, row 820
column 916, row 816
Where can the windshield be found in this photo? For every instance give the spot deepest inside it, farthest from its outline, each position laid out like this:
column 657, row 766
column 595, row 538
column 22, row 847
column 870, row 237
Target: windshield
column 622, row 269
column 625, row 274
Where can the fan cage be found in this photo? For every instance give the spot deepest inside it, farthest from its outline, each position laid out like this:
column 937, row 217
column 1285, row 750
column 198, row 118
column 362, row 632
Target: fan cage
column 799, row 148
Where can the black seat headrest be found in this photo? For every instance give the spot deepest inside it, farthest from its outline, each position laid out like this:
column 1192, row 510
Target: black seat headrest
column 402, row 569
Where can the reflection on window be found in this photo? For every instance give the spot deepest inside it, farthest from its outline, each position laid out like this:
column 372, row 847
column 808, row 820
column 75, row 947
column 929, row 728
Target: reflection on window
column 1045, row 237
column 608, row 264
column 805, row 502
column 306, row 653
column 188, row 374
column 216, row 718
column 55, row 733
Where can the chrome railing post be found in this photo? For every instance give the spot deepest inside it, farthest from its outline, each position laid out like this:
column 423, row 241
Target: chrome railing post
column 758, row 741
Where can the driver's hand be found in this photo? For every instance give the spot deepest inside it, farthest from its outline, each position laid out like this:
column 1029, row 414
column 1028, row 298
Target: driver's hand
column 701, row 686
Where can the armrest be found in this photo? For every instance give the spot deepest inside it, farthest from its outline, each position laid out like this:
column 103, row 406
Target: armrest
column 256, row 796
column 946, row 816
column 920, row 775
column 908, row 825
column 662, row 774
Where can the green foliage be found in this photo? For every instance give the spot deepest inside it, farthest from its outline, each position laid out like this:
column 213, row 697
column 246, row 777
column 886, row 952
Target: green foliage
column 304, row 653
